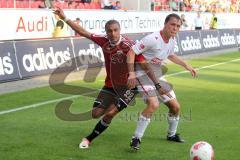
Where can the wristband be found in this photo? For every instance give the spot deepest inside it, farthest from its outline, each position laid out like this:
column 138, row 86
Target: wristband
column 66, row 19
column 158, row 86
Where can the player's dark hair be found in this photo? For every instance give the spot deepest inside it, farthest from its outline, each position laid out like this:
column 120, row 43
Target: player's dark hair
column 110, row 22
column 170, row 16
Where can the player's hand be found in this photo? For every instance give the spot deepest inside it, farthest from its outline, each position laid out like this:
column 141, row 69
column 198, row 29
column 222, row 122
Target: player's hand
column 59, row 12
column 131, row 83
column 162, row 92
column 192, row 70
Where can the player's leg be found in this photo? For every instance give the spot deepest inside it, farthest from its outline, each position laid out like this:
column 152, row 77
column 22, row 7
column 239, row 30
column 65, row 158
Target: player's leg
column 103, row 124
column 173, row 118
column 114, row 108
column 149, row 95
column 104, row 100
column 115, row 105
column 96, row 113
column 125, row 97
column 110, row 113
column 173, row 115
column 143, row 121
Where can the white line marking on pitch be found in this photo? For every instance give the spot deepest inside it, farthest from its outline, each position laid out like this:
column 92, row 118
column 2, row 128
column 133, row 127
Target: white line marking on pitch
column 204, row 67
column 43, row 103
column 76, row 96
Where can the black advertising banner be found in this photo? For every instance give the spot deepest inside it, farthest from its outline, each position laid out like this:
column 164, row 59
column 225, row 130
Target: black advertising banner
column 177, row 48
column 237, row 36
column 39, row 57
column 43, row 57
column 190, row 42
column 8, row 64
column 210, row 40
column 88, row 54
column 227, row 38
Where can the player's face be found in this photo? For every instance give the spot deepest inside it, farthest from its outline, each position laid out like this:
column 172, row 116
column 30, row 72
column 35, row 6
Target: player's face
column 113, row 33
column 172, row 26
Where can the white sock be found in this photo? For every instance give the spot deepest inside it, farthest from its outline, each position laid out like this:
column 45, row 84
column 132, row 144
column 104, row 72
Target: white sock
column 173, row 124
column 141, row 126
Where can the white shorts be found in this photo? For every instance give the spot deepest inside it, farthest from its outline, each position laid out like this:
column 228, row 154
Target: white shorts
column 147, row 89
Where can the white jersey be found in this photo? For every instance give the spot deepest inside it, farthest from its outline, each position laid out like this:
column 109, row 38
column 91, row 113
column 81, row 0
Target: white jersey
column 154, row 49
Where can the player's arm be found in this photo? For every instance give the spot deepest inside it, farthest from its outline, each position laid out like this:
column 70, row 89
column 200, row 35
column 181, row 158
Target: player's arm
column 176, row 59
column 136, row 49
column 139, row 48
column 150, row 73
column 79, row 29
column 130, row 62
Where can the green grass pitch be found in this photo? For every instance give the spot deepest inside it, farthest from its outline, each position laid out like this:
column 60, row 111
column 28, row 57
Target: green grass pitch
column 210, row 112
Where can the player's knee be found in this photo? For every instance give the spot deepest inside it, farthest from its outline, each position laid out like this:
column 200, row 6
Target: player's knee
column 95, row 115
column 153, row 105
column 150, row 109
column 175, row 109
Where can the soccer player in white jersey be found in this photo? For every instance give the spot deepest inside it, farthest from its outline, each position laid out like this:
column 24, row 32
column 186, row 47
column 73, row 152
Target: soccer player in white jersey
column 151, row 51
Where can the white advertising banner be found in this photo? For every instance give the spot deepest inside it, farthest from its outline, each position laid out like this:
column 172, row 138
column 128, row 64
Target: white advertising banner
column 25, row 24
column 30, row 24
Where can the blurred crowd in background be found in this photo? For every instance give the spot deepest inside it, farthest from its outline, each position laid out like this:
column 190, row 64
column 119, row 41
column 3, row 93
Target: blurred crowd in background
column 197, row 5
column 232, row 6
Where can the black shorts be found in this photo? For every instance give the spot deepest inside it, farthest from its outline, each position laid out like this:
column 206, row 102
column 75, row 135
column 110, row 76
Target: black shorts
column 119, row 97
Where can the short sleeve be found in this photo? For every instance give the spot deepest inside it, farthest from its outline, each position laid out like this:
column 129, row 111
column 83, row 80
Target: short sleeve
column 143, row 45
column 99, row 39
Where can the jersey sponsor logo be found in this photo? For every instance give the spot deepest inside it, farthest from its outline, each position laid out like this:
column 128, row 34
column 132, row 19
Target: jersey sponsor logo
column 6, row 66
column 91, row 55
column 43, row 60
column 190, row 44
column 227, row 39
column 119, row 57
column 210, row 42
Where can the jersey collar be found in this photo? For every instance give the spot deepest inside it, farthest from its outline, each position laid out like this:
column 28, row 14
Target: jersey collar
column 164, row 38
column 117, row 43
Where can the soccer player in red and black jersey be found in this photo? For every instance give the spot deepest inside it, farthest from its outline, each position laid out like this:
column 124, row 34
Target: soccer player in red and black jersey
column 119, row 89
